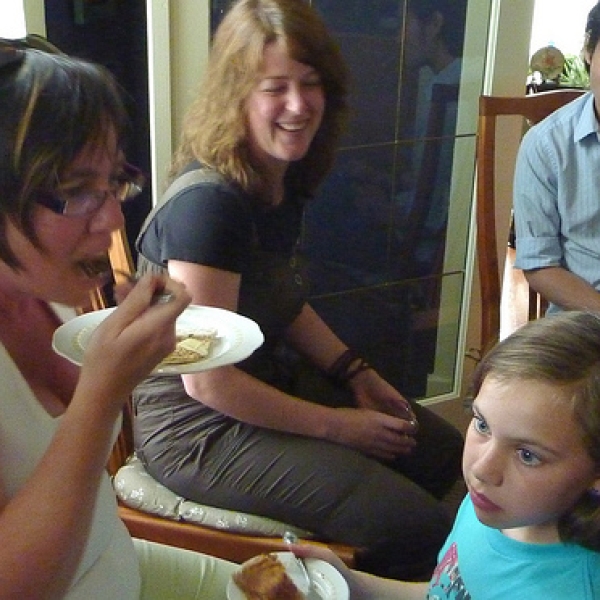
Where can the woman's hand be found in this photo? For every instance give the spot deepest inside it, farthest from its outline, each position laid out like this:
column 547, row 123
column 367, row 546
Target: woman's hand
column 372, row 391
column 373, row 433
column 135, row 337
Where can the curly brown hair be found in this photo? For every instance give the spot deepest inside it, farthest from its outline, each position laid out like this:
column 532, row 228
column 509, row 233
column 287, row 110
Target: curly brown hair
column 214, row 131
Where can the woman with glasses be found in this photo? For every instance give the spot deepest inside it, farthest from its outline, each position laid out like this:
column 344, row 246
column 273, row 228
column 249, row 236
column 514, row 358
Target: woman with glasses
column 63, row 177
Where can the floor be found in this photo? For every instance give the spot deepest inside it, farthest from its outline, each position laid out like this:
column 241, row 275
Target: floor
column 514, row 304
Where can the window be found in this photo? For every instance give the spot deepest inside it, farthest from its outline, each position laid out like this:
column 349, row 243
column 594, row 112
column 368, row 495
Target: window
column 560, row 24
column 12, row 19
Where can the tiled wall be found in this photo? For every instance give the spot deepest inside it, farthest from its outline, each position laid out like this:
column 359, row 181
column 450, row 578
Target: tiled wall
column 387, row 235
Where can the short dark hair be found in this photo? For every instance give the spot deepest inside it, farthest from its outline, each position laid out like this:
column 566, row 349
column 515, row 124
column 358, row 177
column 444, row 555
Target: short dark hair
column 51, row 107
column 592, row 34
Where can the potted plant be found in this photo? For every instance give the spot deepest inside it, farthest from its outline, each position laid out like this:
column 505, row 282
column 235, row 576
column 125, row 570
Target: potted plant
column 549, row 69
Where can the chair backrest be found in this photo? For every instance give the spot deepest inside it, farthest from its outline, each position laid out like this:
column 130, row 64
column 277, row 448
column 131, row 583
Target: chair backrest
column 120, row 257
column 533, row 108
column 121, row 263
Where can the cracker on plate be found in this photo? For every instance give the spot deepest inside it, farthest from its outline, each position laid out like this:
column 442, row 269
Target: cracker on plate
column 191, row 347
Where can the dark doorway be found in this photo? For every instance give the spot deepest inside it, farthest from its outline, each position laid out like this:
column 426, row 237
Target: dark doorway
column 112, row 33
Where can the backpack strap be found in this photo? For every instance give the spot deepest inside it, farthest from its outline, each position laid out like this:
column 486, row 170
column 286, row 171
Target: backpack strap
column 177, row 186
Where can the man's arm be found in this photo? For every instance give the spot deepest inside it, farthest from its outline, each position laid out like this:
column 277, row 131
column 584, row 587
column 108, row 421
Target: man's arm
column 563, row 288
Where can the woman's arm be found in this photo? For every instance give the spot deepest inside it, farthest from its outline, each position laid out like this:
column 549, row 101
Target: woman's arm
column 313, row 338
column 245, row 398
column 44, row 527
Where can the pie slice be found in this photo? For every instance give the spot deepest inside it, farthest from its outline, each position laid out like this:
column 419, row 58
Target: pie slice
column 265, row 578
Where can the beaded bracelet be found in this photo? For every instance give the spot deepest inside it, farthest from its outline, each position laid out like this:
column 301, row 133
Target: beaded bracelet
column 340, row 371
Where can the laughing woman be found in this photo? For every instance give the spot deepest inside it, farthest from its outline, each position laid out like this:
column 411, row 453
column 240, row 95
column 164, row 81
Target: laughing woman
column 354, row 462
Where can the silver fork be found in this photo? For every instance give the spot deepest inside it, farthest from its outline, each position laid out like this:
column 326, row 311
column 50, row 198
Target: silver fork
column 157, row 298
column 291, row 538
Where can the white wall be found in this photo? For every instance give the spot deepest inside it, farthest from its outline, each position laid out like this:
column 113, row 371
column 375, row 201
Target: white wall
column 560, row 23
column 18, row 17
column 12, row 19
column 178, row 41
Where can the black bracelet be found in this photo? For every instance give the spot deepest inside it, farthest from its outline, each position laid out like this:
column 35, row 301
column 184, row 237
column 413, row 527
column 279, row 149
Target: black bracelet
column 340, row 371
column 340, row 365
column 363, row 365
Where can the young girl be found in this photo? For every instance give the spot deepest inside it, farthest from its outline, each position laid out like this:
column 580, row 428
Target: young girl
column 529, row 527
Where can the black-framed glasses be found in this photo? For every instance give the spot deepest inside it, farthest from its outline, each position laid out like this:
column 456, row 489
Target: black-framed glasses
column 84, row 203
column 11, row 51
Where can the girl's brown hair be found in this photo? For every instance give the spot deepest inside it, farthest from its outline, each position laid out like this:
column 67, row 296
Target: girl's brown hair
column 563, row 350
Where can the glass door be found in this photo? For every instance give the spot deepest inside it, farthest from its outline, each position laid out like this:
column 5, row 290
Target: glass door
column 387, row 237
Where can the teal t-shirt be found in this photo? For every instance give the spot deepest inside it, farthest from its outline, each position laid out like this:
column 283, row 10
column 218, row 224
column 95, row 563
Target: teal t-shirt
column 481, row 563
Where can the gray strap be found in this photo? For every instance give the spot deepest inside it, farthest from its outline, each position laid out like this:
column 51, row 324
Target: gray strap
column 177, row 186
column 188, row 179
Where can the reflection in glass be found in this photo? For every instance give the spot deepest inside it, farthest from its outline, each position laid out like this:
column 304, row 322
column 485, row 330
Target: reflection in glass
column 386, row 236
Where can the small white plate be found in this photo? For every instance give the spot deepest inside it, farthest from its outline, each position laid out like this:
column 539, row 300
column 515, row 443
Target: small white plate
column 237, row 337
column 328, row 583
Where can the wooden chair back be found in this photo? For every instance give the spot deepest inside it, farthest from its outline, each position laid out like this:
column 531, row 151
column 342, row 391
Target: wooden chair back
column 221, row 543
column 490, row 254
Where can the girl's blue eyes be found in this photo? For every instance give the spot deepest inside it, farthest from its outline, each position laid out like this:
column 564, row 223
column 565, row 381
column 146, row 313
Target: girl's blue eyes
column 527, row 457
column 479, row 424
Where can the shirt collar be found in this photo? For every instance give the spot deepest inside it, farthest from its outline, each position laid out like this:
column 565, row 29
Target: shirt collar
column 587, row 123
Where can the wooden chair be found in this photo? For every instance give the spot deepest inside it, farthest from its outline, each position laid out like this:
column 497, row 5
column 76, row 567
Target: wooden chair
column 216, row 542
column 490, row 253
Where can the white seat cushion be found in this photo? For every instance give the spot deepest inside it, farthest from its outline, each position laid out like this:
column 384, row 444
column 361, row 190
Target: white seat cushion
column 137, row 489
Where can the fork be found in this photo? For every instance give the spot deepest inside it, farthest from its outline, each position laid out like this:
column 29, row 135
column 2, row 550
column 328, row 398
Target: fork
column 157, row 298
column 289, row 538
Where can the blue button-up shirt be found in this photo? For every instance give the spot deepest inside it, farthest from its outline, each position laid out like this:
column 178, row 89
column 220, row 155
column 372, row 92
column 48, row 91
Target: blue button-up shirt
column 557, row 193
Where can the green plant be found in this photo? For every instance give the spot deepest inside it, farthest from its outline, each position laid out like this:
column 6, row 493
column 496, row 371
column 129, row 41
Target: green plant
column 574, row 73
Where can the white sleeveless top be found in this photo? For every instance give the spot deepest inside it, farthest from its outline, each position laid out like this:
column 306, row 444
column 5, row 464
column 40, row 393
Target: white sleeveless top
column 109, row 566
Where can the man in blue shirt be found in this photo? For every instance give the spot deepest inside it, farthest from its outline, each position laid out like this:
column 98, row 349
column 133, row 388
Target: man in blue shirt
column 557, row 196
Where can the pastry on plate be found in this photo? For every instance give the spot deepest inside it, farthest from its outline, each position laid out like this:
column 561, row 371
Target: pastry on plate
column 265, row 578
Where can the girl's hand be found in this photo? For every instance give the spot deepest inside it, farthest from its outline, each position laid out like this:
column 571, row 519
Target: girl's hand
column 322, row 552
column 363, row 586
column 360, row 584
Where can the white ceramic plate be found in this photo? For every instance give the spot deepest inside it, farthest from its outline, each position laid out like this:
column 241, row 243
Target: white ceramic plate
column 237, row 337
column 327, row 580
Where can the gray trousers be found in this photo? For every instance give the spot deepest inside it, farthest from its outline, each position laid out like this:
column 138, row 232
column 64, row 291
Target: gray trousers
column 392, row 511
